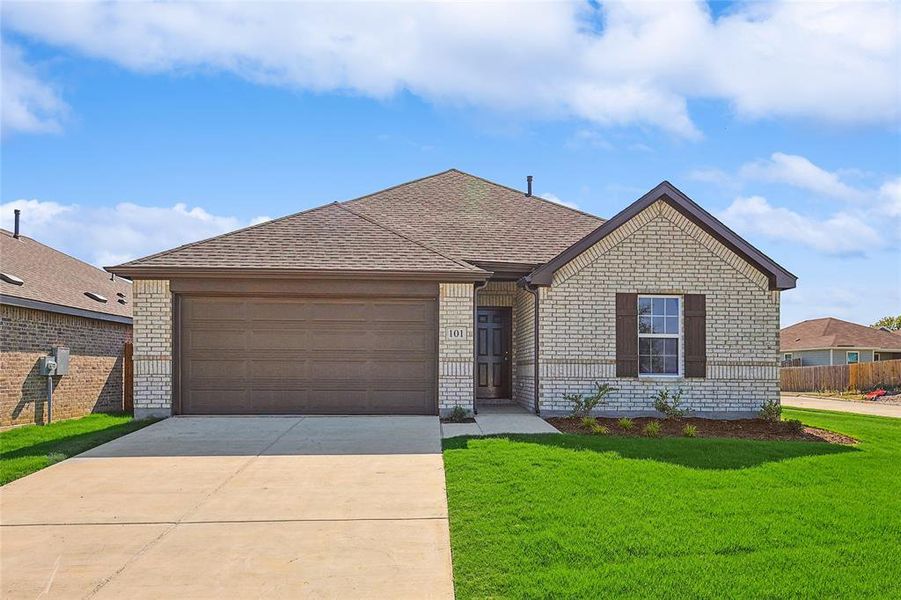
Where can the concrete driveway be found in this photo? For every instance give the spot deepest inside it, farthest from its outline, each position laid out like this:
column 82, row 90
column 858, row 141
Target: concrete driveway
column 237, row 507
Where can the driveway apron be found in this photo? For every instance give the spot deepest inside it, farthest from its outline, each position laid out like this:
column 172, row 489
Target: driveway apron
column 236, row 507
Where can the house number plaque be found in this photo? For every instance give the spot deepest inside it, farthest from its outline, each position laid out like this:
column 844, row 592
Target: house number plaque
column 456, row 333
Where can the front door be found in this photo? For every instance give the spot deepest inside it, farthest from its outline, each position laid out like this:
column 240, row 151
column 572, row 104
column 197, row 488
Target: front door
column 493, row 353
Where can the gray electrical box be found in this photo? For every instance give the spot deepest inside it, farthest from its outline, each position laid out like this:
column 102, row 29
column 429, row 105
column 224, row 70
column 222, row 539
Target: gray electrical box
column 61, row 354
column 47, row 366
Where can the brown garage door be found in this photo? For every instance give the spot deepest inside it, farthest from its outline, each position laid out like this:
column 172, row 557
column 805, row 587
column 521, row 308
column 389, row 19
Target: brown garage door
column 307, row 355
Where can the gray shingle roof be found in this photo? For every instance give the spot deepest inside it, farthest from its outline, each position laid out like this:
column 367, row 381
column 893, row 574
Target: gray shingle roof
column 830, row 332
column 432, row 224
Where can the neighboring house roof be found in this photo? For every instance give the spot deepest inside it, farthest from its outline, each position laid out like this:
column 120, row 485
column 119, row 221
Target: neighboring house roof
column 780, row 278
column 58, row 282
column 830, row 332
column 430, row 225
column 322, row 240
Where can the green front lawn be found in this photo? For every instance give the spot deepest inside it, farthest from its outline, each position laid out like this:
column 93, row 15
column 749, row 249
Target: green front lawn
column 567, row 516
column 27, row 449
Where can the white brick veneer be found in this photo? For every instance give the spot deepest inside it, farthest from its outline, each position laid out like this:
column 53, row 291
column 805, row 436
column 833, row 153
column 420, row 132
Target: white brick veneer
column 455, row 356
column 660, row 251
column 524, row 350
column 152, row 336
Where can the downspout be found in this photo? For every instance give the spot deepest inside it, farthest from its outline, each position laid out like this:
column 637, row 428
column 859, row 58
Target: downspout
column 475, row 348
column 534, row 291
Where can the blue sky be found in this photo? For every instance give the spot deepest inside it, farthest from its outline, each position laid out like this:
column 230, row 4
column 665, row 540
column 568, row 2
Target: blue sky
column 126, row 130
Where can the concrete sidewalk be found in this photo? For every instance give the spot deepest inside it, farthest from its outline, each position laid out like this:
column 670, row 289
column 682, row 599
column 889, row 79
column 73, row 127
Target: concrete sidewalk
column 237, row 507
column 497, row 419
column 861, row 408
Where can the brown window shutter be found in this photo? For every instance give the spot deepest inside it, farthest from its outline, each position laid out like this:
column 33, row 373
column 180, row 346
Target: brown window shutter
column 695, row 335
column 627, row 335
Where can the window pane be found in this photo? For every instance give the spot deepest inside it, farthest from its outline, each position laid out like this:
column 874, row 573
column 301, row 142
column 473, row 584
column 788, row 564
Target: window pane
column 672, row 307
column 644, row 364
column 656, row 364
column 659, row 325
column 672, row 325
column 671, row 365
column 853, row 357
column 659, row 306
column 644, row 324
column 644, row 306
column 644, row 345
column 670, row 346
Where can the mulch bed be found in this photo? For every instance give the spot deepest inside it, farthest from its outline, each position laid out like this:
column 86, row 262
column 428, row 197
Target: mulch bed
column 466, row 420
column 746, row 429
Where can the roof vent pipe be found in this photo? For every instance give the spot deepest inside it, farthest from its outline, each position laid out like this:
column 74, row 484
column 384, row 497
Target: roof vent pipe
column 16, row 227
column 529, row 184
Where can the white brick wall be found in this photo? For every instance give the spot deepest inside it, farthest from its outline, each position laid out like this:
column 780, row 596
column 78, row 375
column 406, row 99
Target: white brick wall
column 660, row 251
column 152, row 306
column 524, row 350
column 455, row 356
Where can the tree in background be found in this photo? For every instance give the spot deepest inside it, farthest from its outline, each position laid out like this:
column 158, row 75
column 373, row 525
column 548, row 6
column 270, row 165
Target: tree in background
column 892, row 323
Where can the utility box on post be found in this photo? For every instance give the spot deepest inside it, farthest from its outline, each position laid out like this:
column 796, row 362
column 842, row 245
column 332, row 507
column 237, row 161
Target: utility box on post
column 61, row 354
column 47, row 366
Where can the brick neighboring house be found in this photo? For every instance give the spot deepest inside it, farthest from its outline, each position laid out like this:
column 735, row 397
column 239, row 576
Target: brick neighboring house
column 44, row 303
column 454, row 291
column 831, row 341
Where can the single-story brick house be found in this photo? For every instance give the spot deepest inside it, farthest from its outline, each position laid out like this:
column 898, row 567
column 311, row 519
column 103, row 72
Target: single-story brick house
column 50, row 299
column 455, row 291
column 831, row 341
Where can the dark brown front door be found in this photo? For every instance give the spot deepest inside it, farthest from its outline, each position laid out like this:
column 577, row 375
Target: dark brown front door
column 493, row 353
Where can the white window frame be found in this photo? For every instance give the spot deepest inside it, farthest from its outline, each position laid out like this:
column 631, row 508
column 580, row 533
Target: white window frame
column 848, row 357
column 681, row 358
column 877, row 356
column 787, row 357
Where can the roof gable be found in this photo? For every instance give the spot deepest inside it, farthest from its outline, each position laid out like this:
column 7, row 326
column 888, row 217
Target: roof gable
column 779, row 278
column 830, row 332
column 54, row 278
column 328, row 238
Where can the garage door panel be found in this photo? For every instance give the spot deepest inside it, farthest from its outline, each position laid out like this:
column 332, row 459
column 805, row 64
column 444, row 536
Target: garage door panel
column 307, row 355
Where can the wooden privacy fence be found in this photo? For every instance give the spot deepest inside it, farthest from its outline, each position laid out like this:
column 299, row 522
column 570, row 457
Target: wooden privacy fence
column 839, row 378
column 128, row 378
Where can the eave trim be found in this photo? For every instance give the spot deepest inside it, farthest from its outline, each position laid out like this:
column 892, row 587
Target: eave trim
column 63, row 310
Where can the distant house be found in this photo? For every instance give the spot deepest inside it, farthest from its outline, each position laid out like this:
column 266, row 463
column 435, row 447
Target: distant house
column 49, row 299
column 831, row 341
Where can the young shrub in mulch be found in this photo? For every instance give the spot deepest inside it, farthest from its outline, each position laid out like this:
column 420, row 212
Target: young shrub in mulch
column 771, row 411
column 795, row 426
column 598, row 429
column 652, row 429
column 458, row 415
column 582, row 404
column 690, row 431
column 625, row 424
column 588, row 422
column 670, row 404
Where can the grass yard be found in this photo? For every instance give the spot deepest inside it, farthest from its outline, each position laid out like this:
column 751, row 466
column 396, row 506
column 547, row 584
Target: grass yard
column 27, row 449
column 568, row 516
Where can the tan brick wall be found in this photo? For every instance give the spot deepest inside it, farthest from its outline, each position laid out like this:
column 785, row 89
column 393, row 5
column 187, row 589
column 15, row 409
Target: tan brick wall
column 94, row 382
column 524, row 349
column 152, row 348
column 455, row 356
column 502, row 294
column 660, row 251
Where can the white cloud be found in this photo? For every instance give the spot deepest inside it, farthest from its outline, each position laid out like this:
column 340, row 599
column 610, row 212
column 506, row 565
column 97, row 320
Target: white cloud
column 28, row 104
column 841, row 233
column 890, row 198
column 109, row 235
column 799, row 172
column 831, row 62
column 553, row 198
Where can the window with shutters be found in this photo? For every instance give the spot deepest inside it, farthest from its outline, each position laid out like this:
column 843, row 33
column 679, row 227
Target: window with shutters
column 659, row 335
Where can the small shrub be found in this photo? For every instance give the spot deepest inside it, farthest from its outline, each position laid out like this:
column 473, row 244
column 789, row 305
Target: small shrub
column 795, row 426
column 652, row 429
column 771, row 410
column 458, row 415
column 599, row 429
column 584, row 404
column 625, row 424
column 588, row 422
column 690, row 431
column 670, row 404
column 55, row 457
